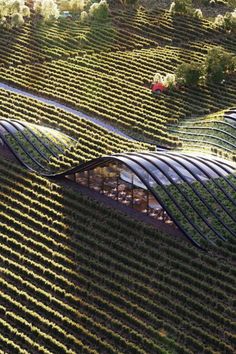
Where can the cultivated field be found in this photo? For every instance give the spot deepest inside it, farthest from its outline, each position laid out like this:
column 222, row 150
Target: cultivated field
column 76, row 275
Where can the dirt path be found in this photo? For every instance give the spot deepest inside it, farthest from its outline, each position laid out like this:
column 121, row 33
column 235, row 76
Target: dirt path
column 67, row 109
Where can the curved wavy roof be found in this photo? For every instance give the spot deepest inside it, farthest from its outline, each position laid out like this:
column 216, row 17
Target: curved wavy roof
column 216, row 131
column 230, row 116
column 198, row 192
column 34, row 145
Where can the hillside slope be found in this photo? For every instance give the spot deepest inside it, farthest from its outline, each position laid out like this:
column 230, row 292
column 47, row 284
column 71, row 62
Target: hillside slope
column 87, row 69
column 78, row 277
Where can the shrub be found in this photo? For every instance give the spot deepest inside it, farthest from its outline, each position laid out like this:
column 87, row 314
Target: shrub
column 218, row 63
column 189, row 73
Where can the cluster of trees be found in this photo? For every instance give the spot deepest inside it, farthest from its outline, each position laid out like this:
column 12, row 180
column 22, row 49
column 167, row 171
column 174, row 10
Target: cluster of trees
column 169, row 80
column 217, row 65
column 14, row 12
column 87, row 9
column 47, row 9
column 185, row 7
column 227, row 22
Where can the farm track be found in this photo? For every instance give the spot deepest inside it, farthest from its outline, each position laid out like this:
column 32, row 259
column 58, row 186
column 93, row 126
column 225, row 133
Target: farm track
column 65, row 108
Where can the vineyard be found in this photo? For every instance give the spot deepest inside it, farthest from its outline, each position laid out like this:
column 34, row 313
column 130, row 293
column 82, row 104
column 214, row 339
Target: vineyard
column 92, row 141
column 103, row 82
column 59, row 292
column 214, row 133
column 204, row 182
column 78, row 273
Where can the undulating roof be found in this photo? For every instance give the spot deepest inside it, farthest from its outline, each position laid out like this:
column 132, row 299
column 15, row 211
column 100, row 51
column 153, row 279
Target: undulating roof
column 198, row 192
column 230, row 116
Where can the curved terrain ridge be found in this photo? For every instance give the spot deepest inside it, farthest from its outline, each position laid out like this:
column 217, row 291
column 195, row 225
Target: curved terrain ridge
column 215, row 133
column 197, row 192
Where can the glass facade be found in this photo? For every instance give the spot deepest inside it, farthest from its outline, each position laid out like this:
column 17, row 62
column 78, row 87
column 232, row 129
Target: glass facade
column 138, row 180
column 120, row 183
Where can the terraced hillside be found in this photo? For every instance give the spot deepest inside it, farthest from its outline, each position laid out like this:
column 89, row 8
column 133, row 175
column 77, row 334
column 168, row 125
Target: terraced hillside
column 214, row 133
column 92, row 140
column 78, row 276
column 72, row 281
column 102, row 81
column 195, row 192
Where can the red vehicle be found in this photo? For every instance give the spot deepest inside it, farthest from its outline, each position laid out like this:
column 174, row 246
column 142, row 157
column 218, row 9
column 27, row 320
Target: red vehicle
column 156, row 88
column 159, row 87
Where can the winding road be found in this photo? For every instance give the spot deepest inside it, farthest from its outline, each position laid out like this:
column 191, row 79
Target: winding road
column 65, row 108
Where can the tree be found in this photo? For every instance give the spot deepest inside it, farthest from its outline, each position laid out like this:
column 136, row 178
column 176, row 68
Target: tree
column 157, row 78
column 48, row 9
column 218, row 63
column 25, row 11
column 189, row 73
column 12, row 12
column 76, row 5
column 181, row 7
column 17, row 20
column 169, row 81
column 219, row 21
column 99, row 11
column 232, row 3
column 84, row 16
column 197, row 13
column 228, row 21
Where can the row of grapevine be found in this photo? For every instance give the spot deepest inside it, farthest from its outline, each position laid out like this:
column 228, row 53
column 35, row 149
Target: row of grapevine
column 60, row 250
column 93, row 141
column 213, row 133
column 37, row 42
column 103, row 85
column 204, row 214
